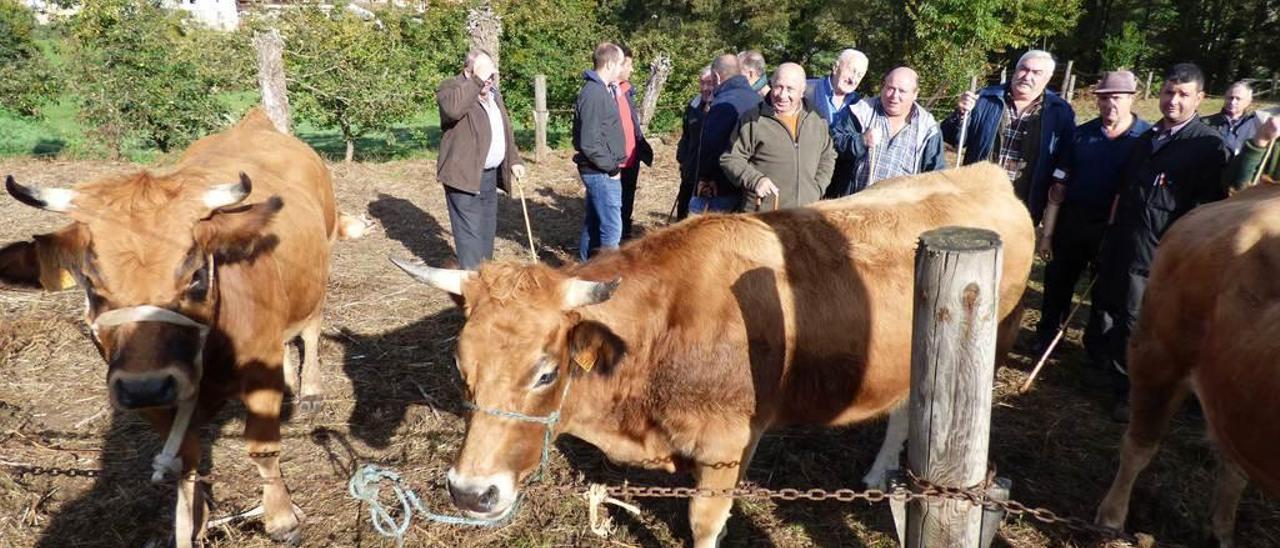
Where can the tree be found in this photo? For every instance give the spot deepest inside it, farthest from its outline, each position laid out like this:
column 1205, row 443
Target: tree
column 137, row 77
column 349, row 73
column 26, row 77
column 1125, row 50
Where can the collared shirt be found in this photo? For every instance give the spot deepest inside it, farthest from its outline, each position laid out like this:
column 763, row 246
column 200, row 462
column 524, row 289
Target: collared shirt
column 1235, row 132
column 498, row 136
column 894, row 156
column 1098, row 162
column 1163, row 135
column 827, row 92
column 1013, row 150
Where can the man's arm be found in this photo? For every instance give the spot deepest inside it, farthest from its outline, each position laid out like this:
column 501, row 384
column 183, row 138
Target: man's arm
column 932, row 158
column 827, row 161
column 717, row 130
column 736, row 162
column 591, row 113
column 455, row 97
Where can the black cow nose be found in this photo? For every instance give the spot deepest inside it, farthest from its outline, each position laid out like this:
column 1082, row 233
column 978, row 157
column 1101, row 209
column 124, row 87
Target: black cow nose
column 146, row 392
column 480, row 501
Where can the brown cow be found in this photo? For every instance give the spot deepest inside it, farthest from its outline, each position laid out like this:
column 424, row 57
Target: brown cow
column 693, row 341
column 193, row 297
column 1210, row 324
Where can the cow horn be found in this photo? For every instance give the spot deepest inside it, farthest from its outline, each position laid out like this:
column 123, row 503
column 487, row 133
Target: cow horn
column 584, row 292
column 48, row 199
column 440, row 278
column 228, row 194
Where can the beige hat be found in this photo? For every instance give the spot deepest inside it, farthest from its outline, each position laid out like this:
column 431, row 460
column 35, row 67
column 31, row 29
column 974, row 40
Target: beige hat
column 1120, row 81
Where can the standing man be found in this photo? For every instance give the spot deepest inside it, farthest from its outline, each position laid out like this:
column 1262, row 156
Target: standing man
column 734, row 97
column 601, row 145
column 1258, row 155
column 1235, row 122
column 477, row 156
column 782, row 151
column 637, row 148
column 687, row 152
column 1079, row 208
column 753, row 67
column 1021, row 126
column 893, row 130
column 830, row 97
column 1175, row 166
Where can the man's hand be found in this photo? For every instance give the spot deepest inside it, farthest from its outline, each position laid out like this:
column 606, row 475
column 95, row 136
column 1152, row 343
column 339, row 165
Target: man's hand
column 1044, row 248
column 1267, row 132
column 765, row 188
column 968, row 100
column 871, row 138
column 517, row 171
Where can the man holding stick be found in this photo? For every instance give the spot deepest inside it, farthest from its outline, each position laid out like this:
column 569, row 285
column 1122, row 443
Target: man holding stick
column 1258, row 157
column 900, row 135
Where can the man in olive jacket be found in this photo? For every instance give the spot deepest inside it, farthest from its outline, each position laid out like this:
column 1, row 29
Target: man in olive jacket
column 477, row 156
column 782, row 153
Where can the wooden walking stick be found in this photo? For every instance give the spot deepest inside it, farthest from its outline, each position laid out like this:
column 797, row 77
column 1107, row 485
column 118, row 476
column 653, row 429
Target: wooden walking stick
column 528, row 227
column 1062, row 330
column 964, row 124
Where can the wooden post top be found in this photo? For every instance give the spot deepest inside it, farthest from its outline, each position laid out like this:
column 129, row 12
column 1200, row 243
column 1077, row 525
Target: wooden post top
column 959, row 238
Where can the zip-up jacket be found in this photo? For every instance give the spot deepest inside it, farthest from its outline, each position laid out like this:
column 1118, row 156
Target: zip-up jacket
column 597, row 128
column 762, row 147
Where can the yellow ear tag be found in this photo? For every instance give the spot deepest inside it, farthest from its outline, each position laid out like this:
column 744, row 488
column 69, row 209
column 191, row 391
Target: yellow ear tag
column 586, row 359
column 58, row 282
column 67, row 281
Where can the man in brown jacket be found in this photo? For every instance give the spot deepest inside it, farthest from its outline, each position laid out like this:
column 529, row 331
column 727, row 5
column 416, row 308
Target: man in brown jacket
column 782, row 153
column 477, row 156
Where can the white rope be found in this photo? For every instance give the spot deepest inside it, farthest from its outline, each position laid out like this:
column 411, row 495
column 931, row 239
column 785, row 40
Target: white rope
column 597, row 496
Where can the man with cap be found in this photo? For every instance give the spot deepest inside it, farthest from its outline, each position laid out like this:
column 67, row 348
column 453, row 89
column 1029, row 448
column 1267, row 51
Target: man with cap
column 1079, row 206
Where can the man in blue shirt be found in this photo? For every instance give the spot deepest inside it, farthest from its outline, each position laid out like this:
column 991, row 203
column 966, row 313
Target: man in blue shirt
column 830, row 97
column 1079, row 207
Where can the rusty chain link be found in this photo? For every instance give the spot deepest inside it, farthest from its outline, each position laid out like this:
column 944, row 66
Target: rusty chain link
column 56, row 471
column 927, row 491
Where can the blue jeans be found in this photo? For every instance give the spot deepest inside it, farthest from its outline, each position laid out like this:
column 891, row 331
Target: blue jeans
column 602, row 226
column 722, row 204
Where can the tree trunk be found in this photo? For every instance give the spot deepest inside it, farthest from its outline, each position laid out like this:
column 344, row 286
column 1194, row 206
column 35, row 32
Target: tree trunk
column 485, row 28
column 275, row 95
column 349, row 139
column 659, row 70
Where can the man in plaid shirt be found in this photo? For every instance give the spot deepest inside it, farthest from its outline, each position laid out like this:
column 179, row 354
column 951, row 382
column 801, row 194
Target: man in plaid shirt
column 890, row 135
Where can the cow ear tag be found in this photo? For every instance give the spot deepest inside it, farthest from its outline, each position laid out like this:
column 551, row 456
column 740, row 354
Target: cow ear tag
column 585, row 358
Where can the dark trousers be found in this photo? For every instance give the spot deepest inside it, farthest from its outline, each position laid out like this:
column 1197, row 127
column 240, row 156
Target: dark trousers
column 630, row 176
column 473, row 218
column 1117, row 300
column 1075, row 245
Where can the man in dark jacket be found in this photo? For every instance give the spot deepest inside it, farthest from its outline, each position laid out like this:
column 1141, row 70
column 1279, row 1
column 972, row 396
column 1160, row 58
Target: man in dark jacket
column 601, row 149
column 477, row 156
column 1175, row 167
column 1079, row 208
column 781, row 151
column 637, row 148
column 690, row 137
column 1235, row 122
column 734, row 97
column 1021, row 126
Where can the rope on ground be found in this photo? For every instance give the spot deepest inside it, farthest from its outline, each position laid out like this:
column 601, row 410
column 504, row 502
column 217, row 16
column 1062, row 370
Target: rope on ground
column 366, row 486
column 600, row 522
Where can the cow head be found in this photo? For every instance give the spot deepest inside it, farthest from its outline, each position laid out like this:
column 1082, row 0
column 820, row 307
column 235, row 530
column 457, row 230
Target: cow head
column 522, row 342
column 143, row 248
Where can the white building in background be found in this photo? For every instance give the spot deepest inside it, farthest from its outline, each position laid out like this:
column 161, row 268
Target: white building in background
column 216, row 14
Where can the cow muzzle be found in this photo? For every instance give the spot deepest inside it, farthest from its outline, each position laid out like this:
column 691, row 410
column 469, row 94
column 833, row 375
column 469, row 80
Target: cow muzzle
column 161, row 388
column 483, row 497
column 141, row 393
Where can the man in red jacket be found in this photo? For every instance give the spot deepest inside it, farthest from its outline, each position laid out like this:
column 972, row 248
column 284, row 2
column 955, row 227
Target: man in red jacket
column 477, row 156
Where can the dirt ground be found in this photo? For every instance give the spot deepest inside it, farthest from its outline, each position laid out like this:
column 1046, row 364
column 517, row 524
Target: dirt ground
column 393, row 399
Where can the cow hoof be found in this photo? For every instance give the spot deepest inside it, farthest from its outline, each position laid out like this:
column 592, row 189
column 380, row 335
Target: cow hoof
column 287, row 530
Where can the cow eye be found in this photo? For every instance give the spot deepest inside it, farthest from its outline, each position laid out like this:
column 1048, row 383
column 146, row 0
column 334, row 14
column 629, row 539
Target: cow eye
column 546, row 378
column 198, row 287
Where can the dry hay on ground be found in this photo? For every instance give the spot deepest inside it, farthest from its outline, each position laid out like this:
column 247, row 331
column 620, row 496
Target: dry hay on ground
column 394, row 400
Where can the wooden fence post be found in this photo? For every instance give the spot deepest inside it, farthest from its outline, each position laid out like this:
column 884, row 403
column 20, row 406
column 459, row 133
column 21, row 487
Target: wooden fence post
column 1004, row 76
column 1275, row 84
column 540, row 117
column 275, row 94
column 659, row 71
column 957, row 281
column 1071, row 89
column 1146, row 91
column 1066, row 76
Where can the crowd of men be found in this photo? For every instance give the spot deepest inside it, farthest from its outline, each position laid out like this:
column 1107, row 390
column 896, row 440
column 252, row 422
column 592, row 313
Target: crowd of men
column 1102, row 193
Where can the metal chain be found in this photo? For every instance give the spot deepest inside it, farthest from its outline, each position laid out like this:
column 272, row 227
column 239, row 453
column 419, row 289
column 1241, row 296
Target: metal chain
column 56, row 471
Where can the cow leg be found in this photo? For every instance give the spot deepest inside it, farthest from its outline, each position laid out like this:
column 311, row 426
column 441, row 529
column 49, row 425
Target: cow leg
column 290, row 368
column 308, row 398
column 707, row 515
column 191, row 510
column 1226, row 499
column 895, row 437
column 262, row 433
column 1151, row 409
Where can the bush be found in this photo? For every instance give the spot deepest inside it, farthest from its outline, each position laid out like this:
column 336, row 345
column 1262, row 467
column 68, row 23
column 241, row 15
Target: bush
column 26, row 77
column 137, row 78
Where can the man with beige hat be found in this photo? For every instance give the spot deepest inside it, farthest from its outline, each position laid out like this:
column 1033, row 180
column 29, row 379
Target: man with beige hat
column 1079, row 207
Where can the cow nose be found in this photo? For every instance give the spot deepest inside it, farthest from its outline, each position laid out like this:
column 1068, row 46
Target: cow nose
column 146, row 392
column 479, row 500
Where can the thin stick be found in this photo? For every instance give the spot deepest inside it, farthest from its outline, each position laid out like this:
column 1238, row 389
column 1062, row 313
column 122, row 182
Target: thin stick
column 1062, row 330
column 964, row 125
column 1263, row 166
column 528, row 227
